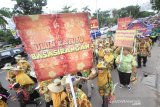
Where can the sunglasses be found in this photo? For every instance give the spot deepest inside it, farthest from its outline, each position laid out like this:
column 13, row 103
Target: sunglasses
column 100, row 68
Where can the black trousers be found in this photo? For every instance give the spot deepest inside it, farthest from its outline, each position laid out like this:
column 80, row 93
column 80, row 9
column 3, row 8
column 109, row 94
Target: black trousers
column 105, row 101
column 49, row 103
column 124, row 78
column 139, row 58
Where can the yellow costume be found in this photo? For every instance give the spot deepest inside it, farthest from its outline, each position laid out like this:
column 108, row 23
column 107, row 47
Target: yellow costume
column 10, row 76
column 82, row 100
column 24, row 65
column 101, row 53
column 23, row 79
column 109, row 61
column 104, row 80
column 59, row 99
column 2, row 104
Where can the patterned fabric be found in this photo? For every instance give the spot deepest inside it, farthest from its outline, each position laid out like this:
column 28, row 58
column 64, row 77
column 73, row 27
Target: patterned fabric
column 10, row 76
column 105, row 83
column 109, row 61
column 127, row 63
column 44, row 90
column 82, row 100
column 23, row 79
column 25, row 66
column 101, row 53
column 59, row 99
column 2, row 104
column 144, row 49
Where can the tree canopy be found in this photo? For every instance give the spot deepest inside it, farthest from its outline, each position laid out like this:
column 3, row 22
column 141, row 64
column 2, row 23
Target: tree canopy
column 156, row 5
column 68, row 9
column 29, row 7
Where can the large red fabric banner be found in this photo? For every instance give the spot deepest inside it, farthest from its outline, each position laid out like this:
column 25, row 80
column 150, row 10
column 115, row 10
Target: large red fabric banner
column 94, row 24
column 57, row 44
column 123, row 23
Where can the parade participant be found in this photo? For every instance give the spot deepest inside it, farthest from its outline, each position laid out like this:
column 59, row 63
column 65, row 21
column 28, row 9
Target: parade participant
column 21, row 95
column 90, row 85
column 153, row 37
column 2, row 103
column 104, row 82
column 126, row 65
column 100, row 51
column 59, row 97
column 22, row 78
column 109, row 59
column 111, row 42
column 10, row 74
column 24, row 65
column 143, row 50
column 45, row 92
column 4, row 93
column 148, row 40
column 81, row 97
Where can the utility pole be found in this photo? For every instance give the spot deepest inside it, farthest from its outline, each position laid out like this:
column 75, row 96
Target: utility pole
column 97, row 12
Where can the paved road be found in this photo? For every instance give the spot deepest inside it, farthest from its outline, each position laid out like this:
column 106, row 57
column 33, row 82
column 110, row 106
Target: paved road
column 143, row 94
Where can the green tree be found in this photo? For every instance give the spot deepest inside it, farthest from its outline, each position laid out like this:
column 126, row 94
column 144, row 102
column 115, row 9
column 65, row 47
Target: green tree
column 86, row 9
column 4, row 13
column 102, row 17
column 156, row 5
column 143, row 14
column 68, row 9
column 132, row 11
column 29, row 7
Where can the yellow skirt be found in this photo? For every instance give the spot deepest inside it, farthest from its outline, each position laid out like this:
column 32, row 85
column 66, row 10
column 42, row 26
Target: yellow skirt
column 23, row 79
column 2, row 104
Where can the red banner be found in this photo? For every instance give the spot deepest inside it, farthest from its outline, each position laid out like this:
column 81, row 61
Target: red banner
column 94, row 24
column 123, row 23
column 57, row 44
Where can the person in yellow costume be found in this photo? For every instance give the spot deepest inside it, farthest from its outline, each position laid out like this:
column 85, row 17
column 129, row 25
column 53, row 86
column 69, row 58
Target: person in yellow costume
column 10, row 74
column 109, row 59
column 2, row 103
column 22, row 78
column 104, row 82
column 81, row 97
column 25, row 65
column 100, row 51
column 59, row 97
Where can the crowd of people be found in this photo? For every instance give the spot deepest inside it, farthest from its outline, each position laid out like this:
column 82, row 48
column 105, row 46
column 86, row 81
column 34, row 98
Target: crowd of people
column 57, row 92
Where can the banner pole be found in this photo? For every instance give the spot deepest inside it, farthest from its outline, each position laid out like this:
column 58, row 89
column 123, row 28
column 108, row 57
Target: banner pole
column 134, row 48
column 72, row 91
column 121, row 56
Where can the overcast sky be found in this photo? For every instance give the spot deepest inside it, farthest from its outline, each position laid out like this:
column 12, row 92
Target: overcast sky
column 56, row 5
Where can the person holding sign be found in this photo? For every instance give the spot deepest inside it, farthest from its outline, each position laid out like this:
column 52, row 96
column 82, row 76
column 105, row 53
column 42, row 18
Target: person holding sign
column 126, row 65
column 81, row 97
column 59, row 96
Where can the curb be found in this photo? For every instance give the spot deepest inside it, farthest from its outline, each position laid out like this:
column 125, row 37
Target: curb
column 158, row 82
